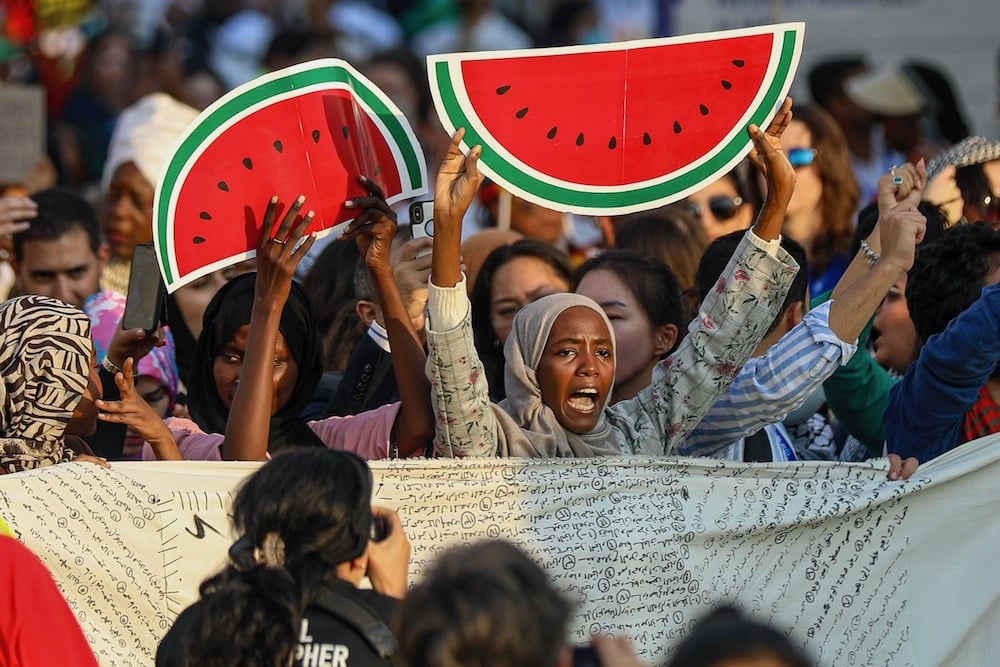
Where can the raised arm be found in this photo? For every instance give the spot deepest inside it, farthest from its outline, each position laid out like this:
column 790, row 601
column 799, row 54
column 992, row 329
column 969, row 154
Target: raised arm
column 457, row 183
column 900, row 230
column 374, row 230
column 769, row 158
column 278, row 254
column 464, row 418
column 732, row 319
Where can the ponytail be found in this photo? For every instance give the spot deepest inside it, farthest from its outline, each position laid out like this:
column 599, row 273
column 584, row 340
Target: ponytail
column 301, row 515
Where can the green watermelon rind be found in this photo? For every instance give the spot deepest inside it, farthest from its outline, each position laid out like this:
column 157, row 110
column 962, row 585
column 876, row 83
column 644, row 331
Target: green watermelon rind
column 604, row 200
column 308, row 77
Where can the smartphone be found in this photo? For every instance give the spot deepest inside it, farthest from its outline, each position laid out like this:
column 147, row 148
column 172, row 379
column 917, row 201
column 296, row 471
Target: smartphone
column 422, row 219
column 145, row 301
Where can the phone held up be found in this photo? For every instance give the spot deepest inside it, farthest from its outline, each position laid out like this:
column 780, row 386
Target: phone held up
column 422, row 222
column 144, row 305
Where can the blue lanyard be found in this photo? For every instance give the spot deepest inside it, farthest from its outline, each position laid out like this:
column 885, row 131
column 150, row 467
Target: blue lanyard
column 786, row 445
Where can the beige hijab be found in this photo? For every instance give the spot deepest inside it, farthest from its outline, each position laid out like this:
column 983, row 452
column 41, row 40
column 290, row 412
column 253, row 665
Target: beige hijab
column 527, row 427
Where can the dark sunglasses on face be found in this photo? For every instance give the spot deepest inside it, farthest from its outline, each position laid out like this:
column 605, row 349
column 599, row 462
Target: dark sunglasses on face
column 723, row 208
column 801, row 157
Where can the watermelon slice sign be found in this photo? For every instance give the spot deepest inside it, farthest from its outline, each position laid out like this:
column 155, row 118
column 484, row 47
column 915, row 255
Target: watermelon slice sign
column 616, row 128
column 311, row 130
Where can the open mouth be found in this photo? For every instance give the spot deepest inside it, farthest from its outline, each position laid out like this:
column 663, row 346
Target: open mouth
column 583, row 400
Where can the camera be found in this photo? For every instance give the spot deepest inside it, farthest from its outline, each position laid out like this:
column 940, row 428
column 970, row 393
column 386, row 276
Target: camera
column 379, row 529
column 585, row 656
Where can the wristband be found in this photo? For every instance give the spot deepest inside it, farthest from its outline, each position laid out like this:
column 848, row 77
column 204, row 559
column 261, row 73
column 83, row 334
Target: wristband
column 110, row 367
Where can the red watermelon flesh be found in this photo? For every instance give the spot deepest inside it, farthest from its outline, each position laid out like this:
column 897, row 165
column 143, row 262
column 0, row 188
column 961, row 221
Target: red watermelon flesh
column 285, row 142
column 567, row 122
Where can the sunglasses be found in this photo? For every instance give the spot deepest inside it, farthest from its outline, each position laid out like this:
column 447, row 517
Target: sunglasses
column 723, row 208
column 801, row 157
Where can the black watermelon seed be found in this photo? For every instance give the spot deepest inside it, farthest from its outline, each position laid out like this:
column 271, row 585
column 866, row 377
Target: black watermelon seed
column 248, row 163
column 726, row 84
column 646, row 139
column 612, row 143
column 378, row 170
column 223, row 186
column 739, row 63
column 552, row 133
column 579, row 139
column 198, row 239
column 703, row 109
column 315, row 135
column 677, row 127
column 522, row 113
column 278, row 147
column 345, row 131
column 502, row 89
column 205, row 215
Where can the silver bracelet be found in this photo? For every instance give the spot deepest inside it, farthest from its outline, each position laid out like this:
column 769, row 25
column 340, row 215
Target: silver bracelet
column 110, row 367
column 869, row 253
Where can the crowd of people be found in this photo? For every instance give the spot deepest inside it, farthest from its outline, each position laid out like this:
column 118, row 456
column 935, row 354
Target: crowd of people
column 831, row 298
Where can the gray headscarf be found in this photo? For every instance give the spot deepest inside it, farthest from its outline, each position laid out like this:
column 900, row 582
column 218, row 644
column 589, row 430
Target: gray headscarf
column 527, row 427
column 967, row 152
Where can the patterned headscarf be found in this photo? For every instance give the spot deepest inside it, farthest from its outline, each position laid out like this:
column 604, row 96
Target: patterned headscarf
column 45, row 356
column 528, row 427
column 967, row 152
column 105, row 310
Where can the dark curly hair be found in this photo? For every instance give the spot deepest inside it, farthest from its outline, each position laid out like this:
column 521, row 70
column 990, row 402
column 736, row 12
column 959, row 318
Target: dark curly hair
column 948, row 275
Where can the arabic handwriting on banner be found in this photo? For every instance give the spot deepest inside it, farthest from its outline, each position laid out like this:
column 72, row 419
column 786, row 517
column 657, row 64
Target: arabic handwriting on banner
column 97, row 533
column 846, row 561
column 646, row 553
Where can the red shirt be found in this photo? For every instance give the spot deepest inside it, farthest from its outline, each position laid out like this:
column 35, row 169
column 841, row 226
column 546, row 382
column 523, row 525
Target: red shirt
column 37, row 627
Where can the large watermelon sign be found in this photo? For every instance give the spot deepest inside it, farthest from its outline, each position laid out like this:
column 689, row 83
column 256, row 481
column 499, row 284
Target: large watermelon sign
column 310, row 129
column 617, row 128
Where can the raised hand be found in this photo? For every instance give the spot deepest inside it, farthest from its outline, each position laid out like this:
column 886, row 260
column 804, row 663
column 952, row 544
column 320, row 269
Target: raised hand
column 374, row 227
column 134, row 343
column 901, row 229
column 281, row 249
column 458, row 182
column 912, row 180
column 770, row 159
column 943, row 191
column 133, row 411
column 15, row 214
column 412, row 267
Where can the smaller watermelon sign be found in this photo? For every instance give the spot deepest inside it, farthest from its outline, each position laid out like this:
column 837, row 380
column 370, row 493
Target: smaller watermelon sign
column 311, row 129
column 616, row 128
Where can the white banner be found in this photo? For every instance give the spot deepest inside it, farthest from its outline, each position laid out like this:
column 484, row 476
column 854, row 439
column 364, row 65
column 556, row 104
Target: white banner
column 863, row 571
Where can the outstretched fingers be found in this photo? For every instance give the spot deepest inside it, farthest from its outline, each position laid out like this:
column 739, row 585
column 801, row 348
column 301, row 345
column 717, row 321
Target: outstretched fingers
column 780, row 122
